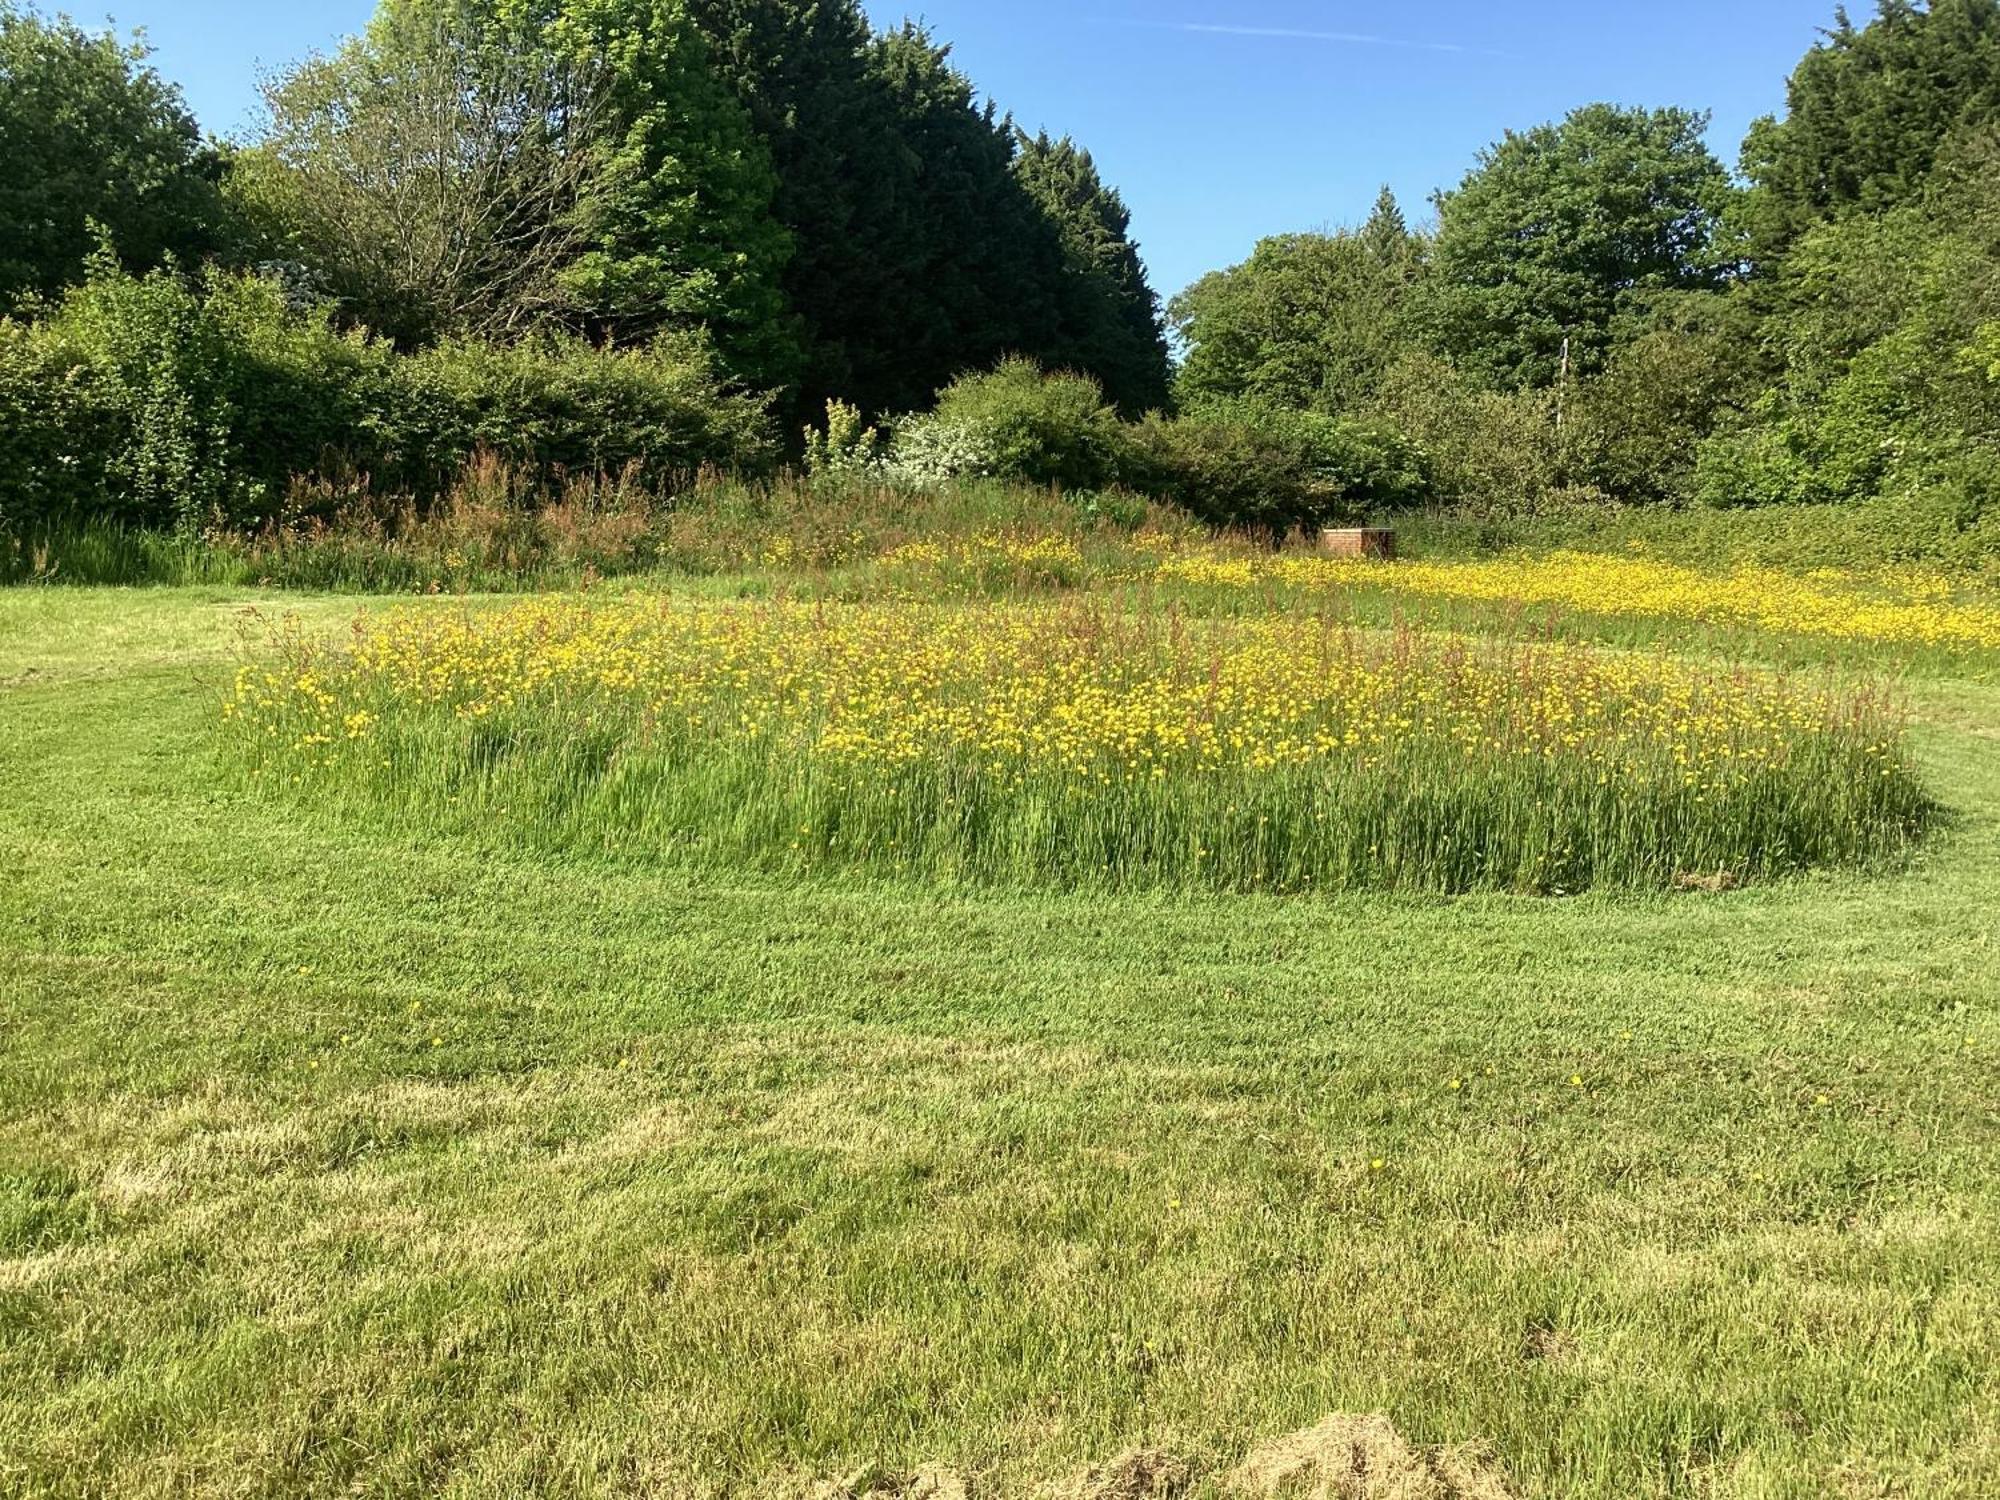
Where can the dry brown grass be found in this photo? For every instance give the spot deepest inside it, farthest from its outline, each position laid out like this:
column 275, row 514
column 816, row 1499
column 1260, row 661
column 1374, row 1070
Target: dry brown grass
column 1364, row 1458
column 1344, row 1457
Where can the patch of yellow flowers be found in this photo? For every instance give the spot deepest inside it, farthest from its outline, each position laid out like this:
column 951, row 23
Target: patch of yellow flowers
column 1896, row 608
column 897, row 726
column 986, row 563
column 1906, row 607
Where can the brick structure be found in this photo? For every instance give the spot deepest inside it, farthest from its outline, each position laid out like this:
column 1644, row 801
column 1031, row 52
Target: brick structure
column 1358, row 541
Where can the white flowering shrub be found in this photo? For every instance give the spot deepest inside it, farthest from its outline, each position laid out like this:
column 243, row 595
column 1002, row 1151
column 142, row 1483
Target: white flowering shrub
column 929, row 450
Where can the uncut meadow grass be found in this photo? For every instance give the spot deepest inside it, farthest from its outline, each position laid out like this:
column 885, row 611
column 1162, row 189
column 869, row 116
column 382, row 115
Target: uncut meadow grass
column 1069, row 745
column 1911, row 607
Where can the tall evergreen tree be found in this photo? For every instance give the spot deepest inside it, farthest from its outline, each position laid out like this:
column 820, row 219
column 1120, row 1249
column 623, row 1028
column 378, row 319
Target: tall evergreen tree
column 680, row 220
column 1869, row 110
column 1111, row 315
column 919, row 248
column 985, row 266
column 800, row 69
column 1386, row 235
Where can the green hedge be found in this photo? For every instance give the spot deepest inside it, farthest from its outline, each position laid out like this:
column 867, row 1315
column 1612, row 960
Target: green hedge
column 1243, row 463
column 171, row 402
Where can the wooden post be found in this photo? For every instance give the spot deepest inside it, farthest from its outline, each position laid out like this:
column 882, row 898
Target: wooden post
column 1562, row 388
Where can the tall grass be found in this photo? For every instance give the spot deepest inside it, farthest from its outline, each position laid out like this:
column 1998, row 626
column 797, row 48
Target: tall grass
column 1933, row 527
column 1070, row 746
column 105, row 554
column 499, row 528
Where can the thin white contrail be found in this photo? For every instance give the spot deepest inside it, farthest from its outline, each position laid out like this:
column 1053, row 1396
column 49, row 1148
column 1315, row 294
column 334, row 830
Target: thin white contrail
column 1288, row 33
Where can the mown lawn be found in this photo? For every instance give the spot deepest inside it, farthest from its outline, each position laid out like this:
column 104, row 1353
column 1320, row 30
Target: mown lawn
column 333, row 1162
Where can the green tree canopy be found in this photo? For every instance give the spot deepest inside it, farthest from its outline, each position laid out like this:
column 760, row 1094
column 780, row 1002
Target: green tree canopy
column 1877, row 324
column 1559, row 227
column 92, row 138
column 1310, row 321
column 1386, row 235
column 477, row 166
column 800, row 69
column 1869, row 110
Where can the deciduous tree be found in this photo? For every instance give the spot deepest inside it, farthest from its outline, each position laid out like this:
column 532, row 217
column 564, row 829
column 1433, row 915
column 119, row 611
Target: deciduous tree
column 478, row 166
column 1309, row 321
column 93, row 140
column 1558, row 228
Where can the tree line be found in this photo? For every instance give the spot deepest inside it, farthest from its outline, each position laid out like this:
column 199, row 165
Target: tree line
column 769, row 197
column 1602, row 310
column 836, row 207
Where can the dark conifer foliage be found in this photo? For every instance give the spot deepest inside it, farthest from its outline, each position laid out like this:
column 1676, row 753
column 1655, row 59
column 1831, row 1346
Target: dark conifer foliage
column 1111, row 315
column 1869, row 112
column 927, row 238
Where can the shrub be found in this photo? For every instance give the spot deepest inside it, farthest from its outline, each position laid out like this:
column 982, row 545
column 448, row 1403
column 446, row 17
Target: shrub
column 1890, row 419
column 558, row 405
column 1985, row 350
column 49, row 457
column 1052, row 428
column 1760, row 464
column 159, row 401
column 1246, row 464
column 930, row 451
column 1633, row 429
column 844, row 447
column 1487, row 450
column 172, row 402
column 1881, row 321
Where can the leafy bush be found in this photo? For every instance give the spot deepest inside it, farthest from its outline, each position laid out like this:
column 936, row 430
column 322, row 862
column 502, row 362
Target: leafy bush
column 1245, row 464
column 1487, row 450
column 845, row 446
column 562, row 406
column 160, row 401
column 1985, row 350
column 168, row 402
column 1043, row 427
column 1890, row 419
column 930, row 451
column 1685, row 369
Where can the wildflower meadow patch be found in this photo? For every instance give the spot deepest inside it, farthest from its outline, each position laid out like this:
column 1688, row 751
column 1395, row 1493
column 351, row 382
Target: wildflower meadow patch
column 1069, row 744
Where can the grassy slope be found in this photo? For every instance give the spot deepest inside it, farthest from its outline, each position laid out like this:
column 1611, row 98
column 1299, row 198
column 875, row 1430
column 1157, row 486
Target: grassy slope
column 328, row 1161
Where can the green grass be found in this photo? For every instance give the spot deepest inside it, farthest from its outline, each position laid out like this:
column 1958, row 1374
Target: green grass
column 1925, row 526
column 1075, row 747
column 338, row 1161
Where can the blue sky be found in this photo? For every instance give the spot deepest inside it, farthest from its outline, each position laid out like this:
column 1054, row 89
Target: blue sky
column 1221, row 120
